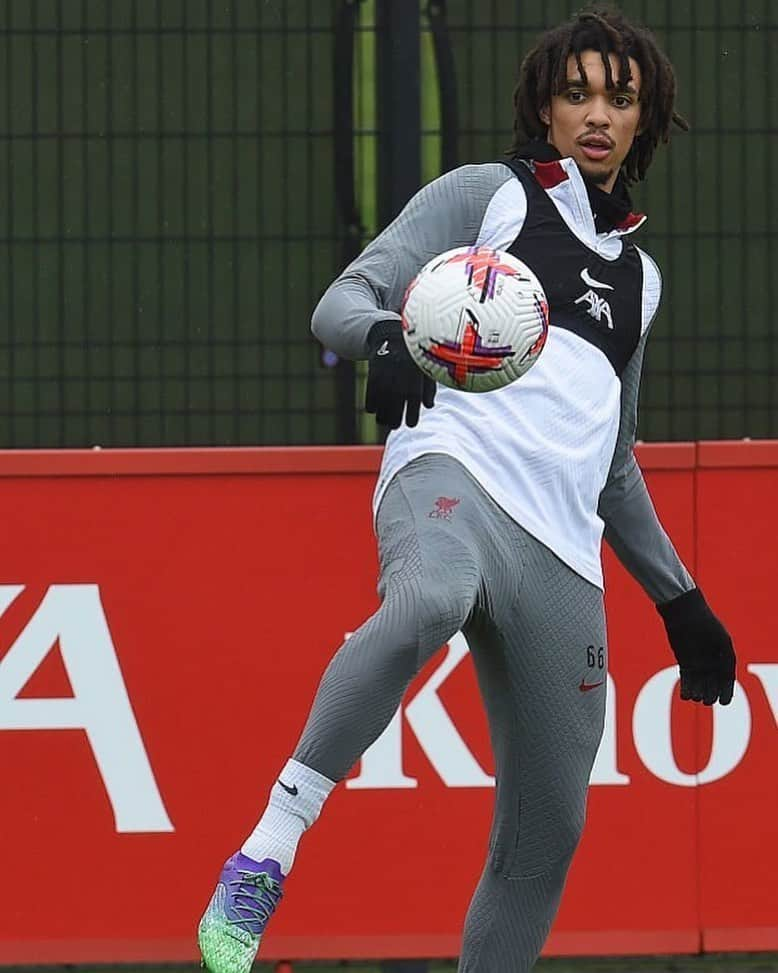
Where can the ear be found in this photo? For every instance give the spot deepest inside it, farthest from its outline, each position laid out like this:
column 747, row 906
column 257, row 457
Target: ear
column 545, row 115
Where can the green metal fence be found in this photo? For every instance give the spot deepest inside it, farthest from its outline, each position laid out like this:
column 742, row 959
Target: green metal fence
column 167, row 169
column 169, row 221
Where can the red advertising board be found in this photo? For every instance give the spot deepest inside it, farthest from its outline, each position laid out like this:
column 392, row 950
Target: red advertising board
column 737, row 529
column 164, row 620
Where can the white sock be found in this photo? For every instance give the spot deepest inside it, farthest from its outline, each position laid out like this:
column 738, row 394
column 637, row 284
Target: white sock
column 296, row 799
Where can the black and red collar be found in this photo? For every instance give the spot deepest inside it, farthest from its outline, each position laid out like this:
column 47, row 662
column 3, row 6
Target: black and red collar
column 611, row 211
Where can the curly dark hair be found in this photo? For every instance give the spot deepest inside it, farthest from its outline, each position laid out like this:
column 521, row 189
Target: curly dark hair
column 544, row 73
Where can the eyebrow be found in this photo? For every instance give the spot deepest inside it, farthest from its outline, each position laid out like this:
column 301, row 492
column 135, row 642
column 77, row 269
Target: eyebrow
column 578, row 83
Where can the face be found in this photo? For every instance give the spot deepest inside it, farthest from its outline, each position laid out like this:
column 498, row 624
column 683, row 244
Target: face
column 593, row 124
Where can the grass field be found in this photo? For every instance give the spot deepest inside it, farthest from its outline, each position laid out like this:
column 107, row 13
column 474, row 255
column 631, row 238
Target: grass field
column 731, row 963
column 715, row 963
column 719, row 963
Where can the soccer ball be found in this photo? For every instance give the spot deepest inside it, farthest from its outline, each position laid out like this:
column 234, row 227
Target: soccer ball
column 475, row 319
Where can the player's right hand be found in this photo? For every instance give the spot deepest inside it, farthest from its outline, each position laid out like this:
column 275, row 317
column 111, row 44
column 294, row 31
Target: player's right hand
column 395, row 384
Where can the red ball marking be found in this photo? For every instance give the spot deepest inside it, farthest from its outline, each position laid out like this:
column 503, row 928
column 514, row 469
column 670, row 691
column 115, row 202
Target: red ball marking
column 463, row 358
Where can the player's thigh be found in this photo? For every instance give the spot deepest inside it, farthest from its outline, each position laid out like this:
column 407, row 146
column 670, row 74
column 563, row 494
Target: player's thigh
column 545, row 683
column 429, row 543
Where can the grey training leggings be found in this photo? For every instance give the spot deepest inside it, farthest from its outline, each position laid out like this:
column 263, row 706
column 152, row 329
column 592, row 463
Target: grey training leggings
column 452, row 560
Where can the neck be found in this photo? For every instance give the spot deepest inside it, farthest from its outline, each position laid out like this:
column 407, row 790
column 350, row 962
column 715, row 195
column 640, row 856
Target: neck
column 609, row 205
column 605, row 186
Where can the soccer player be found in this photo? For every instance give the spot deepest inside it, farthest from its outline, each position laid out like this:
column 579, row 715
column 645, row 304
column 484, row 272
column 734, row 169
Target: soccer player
column 530, row 475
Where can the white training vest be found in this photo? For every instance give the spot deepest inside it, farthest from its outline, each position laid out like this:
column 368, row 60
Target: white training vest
column 542, row 446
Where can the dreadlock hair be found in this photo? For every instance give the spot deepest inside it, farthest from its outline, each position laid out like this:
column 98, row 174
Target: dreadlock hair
column 543, row 73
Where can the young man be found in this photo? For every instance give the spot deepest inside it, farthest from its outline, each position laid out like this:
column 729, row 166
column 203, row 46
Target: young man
column 537, row 469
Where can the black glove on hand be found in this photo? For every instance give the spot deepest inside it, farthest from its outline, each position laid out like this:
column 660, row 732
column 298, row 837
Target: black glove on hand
column 702, row 646
column 394, row 381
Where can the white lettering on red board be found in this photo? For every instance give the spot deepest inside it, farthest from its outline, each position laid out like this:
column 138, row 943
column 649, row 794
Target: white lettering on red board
column 381, row 766
column 73, row 616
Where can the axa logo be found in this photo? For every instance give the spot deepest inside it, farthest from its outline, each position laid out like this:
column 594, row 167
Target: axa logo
column 599, row 308
column 382, row 765
column 72, row 616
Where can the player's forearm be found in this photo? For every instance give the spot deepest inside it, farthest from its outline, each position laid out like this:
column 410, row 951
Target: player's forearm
column 345, row 314
column 449, row 212
column 638, row 539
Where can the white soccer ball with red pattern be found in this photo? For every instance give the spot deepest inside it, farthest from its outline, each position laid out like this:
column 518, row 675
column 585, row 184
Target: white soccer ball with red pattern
column 475, row 319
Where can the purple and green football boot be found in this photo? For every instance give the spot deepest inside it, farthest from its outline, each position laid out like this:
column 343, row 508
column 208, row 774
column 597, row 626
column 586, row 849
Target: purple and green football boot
column 245, row 898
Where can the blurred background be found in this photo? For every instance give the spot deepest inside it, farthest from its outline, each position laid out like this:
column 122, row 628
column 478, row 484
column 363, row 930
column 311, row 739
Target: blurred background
column 183, row 178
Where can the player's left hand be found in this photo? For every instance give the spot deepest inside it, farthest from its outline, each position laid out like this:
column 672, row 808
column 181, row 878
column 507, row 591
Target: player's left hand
column 702, row 647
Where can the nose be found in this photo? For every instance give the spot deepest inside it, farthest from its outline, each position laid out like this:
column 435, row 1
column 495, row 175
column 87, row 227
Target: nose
column 598, row 115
